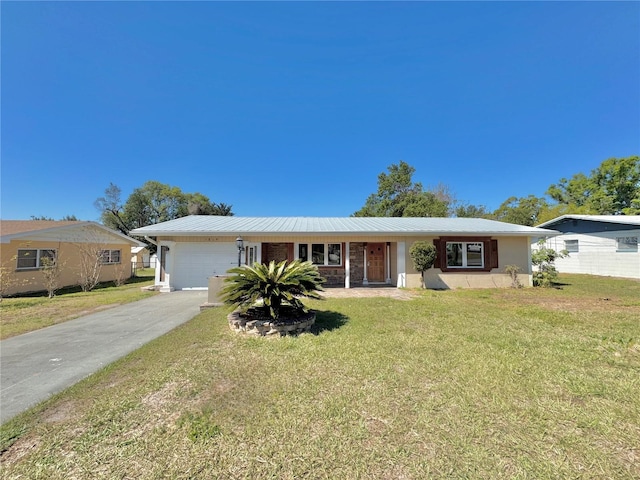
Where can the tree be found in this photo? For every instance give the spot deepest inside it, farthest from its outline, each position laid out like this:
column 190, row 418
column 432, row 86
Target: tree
column 153, row 203
column 399, row 196
column 276, row 285
column 51, row 269
column 110, row 208
column 423, row 254
column 471, row 211
column 8, row 278
column 521, row 211
column 544, row 258
column 90, row 257
column 65, row 218
column 611, row 189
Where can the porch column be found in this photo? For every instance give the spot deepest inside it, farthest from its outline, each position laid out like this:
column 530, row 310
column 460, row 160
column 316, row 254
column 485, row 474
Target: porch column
column 388, row 264
column 166, row 264
column 347, row 265
column 529, row 264
column 402, row 268
column 365, row 281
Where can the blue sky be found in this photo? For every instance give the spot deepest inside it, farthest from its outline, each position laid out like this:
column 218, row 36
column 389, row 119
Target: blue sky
column 294, row 108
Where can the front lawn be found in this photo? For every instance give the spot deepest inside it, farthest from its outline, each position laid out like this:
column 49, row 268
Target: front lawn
column 487, row 384
column 24, row 314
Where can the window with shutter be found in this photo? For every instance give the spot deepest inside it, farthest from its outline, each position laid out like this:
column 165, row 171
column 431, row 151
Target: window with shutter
column 466, row 254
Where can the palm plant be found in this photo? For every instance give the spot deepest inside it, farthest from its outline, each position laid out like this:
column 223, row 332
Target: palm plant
column 276, row 285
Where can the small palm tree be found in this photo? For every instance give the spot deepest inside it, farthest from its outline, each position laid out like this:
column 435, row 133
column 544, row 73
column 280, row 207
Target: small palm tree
column 277, row 285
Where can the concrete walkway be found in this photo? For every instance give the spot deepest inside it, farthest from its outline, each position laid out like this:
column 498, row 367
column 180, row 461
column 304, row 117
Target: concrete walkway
column 39, row 364
column 368, row 292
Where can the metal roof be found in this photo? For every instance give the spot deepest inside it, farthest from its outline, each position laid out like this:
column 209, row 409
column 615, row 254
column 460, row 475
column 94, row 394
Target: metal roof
column 231, row 225
column 622, row 219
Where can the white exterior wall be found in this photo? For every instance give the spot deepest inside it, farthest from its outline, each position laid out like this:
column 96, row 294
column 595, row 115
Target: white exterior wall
column 597, row 254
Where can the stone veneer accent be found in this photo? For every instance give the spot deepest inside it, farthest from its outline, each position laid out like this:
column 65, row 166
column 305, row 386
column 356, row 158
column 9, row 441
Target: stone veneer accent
column 356, row 259
column 262, row 328
column 334, row 276
column 276, row 251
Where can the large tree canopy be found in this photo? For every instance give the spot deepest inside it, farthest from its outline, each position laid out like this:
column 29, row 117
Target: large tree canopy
column 399, row 196
column 521, row 211
column 152, row 203
column 612, row 189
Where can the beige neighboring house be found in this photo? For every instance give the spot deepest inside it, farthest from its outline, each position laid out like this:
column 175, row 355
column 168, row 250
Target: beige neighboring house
column 140, row 257
column 349, row 252
column 25, row 243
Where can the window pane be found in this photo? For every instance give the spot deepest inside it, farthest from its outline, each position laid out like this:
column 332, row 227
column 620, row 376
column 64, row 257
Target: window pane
column 454, row 254
column 303, row 252
column 47, row 258
column 628, row 244
column 27, row 258
column 474, row 254
column 115, row 256
column 571, row 245
column 335, row 254
column 317, row 253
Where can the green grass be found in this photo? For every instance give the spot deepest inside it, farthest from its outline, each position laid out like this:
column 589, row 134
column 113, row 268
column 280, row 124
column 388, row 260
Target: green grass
column 24, row 314
column 454, row 384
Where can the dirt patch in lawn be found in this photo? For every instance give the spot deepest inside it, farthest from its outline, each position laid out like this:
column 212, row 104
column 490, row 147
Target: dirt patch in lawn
column 573, row 305
column 23, row 446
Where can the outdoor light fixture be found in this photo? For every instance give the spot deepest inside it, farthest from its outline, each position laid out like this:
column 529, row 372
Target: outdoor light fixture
column 239, row 244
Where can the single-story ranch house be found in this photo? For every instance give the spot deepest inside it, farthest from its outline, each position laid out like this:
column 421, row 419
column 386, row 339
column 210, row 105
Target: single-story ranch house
column 26, row 244
column 353, row 251
column 604, row 245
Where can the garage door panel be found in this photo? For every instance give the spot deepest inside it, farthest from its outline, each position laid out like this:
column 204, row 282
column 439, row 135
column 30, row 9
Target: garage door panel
column 194, row 263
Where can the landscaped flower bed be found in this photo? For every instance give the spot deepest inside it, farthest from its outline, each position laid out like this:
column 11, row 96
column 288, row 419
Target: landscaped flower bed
column 254, row 322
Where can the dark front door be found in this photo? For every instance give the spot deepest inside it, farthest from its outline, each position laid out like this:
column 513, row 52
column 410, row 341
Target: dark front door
column 375, row 262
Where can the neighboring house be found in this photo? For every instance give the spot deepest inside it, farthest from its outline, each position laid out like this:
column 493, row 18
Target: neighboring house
column 25, row 244
column 140, row 257
column 604, row 245
column 348, row 251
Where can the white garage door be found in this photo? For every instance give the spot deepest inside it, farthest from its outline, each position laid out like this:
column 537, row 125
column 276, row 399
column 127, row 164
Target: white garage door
column 194, row 263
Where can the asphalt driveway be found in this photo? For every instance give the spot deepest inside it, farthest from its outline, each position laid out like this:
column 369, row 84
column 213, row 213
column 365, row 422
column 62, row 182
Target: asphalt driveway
column 39, row 364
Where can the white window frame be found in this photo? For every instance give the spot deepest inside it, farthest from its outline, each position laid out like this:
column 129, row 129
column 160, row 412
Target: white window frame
column 38, row 256
column 572, row 246
column 464, row 255
column 326, row 263
column 627, row 244
column 109, row 254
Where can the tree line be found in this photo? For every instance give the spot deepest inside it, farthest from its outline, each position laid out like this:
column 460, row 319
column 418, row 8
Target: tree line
column 613, row 188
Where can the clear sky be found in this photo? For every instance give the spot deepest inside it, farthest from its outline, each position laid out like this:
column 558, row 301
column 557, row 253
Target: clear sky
column 294, row 108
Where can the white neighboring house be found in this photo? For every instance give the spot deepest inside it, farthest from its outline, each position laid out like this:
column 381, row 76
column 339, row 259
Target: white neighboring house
column 604, row 245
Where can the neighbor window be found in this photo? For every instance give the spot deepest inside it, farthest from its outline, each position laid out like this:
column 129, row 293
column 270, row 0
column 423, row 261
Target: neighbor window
column 322, row 254
column 465, row 254
column 33, row 257
column 109, row 257
column 571, row 246
column 627, row 244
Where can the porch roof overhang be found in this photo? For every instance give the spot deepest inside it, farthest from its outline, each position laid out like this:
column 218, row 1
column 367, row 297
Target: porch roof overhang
column 201, row 225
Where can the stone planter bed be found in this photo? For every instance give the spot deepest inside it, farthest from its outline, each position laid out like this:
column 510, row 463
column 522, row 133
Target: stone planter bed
column 252, row 324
